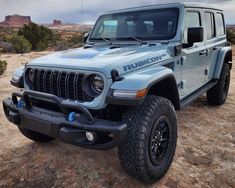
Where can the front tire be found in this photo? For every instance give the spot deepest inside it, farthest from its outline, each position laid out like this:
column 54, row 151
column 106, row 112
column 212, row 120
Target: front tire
column 148, row 148
column 35, row 136
column 218, row 94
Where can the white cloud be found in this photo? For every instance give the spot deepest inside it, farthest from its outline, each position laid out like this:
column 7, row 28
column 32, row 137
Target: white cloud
column 44, row 11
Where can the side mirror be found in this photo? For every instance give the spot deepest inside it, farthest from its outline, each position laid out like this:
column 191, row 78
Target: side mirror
column 195, row 34
column 85, row 37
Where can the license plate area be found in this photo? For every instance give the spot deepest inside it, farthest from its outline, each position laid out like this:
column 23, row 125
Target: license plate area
column 36, row 125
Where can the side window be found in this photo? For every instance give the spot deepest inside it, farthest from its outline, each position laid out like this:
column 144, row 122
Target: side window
column 192, row 19
column 219, row 19
column 210, row 25
column 149, row 26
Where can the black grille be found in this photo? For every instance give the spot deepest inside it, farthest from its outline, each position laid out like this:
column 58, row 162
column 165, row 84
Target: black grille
column 66, row 85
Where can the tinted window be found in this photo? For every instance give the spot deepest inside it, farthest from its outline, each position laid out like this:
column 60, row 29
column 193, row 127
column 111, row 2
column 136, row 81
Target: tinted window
column 192, row 19
column 219, row 24
column 209, row 25
column 160, row 24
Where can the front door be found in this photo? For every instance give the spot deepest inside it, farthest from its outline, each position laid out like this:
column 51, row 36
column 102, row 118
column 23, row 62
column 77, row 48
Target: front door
column 193, row 58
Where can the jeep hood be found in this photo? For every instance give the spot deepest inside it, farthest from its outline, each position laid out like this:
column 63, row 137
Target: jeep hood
column 104, row 59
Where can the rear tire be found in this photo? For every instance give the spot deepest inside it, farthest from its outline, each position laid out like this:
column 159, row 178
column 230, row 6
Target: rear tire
column 218, row 94
column 148, row 148
column 35, row 136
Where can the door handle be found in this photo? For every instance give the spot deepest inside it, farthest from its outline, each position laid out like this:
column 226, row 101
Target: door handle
column 203, row 52
column 216, row 48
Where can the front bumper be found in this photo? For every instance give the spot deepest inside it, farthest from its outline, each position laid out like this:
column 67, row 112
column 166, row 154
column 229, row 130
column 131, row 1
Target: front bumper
column 107, row 134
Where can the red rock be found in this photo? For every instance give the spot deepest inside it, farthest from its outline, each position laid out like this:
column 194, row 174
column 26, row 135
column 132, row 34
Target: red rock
column 15, row 21
column 57, row 22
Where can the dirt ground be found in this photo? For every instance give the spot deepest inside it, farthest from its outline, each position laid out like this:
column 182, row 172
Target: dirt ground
column 205, row 155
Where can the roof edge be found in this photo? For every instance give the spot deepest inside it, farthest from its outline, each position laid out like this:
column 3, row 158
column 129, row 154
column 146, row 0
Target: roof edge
column 183, row 4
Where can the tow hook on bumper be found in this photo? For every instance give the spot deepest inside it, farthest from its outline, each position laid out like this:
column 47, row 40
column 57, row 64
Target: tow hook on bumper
column 74, row 125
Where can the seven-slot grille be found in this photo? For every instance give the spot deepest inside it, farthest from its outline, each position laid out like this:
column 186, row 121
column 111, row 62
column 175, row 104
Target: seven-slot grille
column 66, row 85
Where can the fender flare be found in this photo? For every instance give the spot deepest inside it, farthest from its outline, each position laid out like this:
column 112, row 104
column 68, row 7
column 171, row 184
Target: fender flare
column 148, row 79
column 142, row 79
column 173, row 95
column 224, row 56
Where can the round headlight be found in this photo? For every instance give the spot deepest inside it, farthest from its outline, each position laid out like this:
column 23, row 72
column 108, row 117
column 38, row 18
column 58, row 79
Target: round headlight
column 97, row 83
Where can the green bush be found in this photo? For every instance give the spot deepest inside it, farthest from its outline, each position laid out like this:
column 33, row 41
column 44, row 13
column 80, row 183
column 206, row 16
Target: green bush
column 38, row 36
column 62, row 45
column 41, row 46
column 20, row 44
column 231, row 36
column 3, row 66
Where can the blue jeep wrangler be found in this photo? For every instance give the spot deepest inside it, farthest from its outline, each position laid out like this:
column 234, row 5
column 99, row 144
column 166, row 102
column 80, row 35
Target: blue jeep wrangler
column 122, row 88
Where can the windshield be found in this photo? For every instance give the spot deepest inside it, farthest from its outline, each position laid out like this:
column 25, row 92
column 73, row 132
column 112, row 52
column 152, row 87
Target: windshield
column 159, row 24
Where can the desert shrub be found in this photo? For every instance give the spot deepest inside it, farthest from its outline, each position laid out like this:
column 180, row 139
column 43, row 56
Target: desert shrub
column 6, row 47
column 20, row 44
column 62, row 45
column 76, row 39
column 7, row 38
column 231, row 36
column 38, row 36
column 41, row 46
column 3, row 66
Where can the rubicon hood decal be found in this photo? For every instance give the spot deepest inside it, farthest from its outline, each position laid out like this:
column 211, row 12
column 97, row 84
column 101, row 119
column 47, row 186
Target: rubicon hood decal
column 144, row 62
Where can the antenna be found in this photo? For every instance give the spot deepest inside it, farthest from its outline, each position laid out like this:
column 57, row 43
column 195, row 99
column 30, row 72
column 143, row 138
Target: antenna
column 81, row 11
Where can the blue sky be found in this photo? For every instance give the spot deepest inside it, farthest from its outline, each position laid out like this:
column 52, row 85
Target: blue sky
column 69, row 11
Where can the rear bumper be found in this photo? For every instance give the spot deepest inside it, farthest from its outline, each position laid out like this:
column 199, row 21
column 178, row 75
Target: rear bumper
column 107, row 134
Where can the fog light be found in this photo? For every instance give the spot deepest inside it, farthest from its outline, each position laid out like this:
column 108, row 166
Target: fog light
column 90, row 136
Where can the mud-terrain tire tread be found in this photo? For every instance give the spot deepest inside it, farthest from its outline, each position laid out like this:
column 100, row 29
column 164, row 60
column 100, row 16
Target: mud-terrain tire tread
column 35, row 136
column 132, row 150
column 215, row 94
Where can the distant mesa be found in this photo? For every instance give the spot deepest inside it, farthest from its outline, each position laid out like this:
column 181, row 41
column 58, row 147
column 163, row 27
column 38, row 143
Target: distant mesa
column 231, row 26
column 57, row 23
column 15, row 21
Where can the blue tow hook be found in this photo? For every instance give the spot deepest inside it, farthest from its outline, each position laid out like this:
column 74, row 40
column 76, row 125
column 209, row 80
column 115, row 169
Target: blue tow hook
column 20, row 104
column 71, row 116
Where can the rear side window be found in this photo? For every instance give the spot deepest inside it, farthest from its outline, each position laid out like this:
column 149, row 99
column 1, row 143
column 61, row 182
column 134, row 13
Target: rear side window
column 192, row 19
column 219, row 19
column 210, row 25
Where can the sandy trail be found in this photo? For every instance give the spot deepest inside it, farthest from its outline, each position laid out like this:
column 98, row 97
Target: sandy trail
column 205, row 155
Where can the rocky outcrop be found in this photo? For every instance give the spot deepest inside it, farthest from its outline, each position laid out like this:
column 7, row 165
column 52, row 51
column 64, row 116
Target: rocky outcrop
column 57, row 23
column 15, row 21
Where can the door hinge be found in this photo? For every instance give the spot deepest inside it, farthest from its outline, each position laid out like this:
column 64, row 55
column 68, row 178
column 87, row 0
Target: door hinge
column 181, row 85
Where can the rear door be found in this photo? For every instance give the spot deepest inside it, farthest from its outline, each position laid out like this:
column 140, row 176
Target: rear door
column 194, row 58
column 215, row 38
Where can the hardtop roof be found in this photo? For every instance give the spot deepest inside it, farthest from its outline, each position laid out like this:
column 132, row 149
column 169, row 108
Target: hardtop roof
column 167, row 5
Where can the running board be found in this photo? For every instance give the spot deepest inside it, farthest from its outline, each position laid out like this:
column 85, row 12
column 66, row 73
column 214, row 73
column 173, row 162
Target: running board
column 189, row 99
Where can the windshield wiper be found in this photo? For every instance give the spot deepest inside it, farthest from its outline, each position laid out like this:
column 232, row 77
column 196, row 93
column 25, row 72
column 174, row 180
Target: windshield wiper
column 138, row 39
column 108, row 40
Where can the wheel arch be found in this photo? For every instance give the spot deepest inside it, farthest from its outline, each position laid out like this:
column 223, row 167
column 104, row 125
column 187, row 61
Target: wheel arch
column 224, row 56
column 166, row 88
